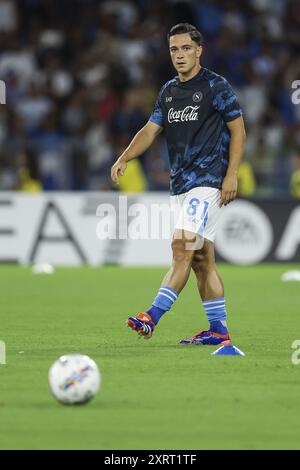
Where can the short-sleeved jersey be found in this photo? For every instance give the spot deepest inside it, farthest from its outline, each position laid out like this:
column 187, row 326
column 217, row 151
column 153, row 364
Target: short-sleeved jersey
column 194, row 115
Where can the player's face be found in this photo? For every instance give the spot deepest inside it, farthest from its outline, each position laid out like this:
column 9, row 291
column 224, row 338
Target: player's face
column 185, row 53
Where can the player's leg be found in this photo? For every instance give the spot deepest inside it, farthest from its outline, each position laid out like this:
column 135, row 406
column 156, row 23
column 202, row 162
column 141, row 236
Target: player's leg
column 211, row 289
column 183, row 248
column 209, row 281
column 184, row 245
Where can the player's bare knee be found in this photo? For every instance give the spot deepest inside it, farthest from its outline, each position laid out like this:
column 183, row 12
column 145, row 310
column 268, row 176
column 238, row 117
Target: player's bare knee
column 180, row 253
column 198, row 266
column 201, row 261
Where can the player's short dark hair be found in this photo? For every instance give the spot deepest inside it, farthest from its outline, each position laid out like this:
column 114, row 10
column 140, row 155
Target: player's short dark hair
column 182, row 28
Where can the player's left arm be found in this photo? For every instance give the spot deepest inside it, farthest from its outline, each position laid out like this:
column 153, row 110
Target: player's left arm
column 236, row 150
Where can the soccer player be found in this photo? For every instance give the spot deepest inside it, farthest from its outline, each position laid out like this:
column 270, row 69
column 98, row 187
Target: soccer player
column 205, row 135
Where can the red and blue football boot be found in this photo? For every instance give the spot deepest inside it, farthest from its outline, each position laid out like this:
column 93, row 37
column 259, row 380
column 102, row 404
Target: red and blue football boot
column 142, row 324
column 208, row 338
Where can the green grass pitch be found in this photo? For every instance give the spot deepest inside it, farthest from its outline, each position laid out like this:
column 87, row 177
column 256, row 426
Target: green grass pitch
column 155, row 394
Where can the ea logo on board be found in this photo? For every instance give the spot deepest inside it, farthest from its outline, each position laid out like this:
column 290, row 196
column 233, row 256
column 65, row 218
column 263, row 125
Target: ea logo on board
column 245, row 234
column 197, row 97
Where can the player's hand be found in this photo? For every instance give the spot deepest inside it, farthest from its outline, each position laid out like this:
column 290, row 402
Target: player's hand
column 118, row 170
column 229, row 189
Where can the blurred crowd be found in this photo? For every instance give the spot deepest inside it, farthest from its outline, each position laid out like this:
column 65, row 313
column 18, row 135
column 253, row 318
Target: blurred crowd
column 82, row 77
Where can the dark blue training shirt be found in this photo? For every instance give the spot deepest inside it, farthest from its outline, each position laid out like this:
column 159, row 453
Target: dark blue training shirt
column 194, row 115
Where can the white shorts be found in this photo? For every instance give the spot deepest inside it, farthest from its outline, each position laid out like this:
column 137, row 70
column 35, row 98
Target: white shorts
column 198, row 211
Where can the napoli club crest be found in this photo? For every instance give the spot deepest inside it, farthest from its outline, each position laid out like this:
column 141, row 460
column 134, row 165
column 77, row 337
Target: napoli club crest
column 197, row 97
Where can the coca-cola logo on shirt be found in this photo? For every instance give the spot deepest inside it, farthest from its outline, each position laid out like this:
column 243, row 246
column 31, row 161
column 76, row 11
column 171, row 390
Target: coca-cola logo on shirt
column 189, row 113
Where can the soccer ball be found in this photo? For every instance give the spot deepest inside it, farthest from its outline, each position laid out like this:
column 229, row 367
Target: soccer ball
column 74, row 379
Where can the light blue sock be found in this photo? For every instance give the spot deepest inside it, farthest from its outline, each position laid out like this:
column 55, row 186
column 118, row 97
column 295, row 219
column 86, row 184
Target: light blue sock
column 164, row 300
column 216, row 313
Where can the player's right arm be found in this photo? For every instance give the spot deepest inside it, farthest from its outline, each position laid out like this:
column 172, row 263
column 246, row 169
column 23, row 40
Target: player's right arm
column 139, row 144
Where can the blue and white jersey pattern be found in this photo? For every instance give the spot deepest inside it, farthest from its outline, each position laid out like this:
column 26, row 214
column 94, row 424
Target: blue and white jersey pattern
column 194, row 116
